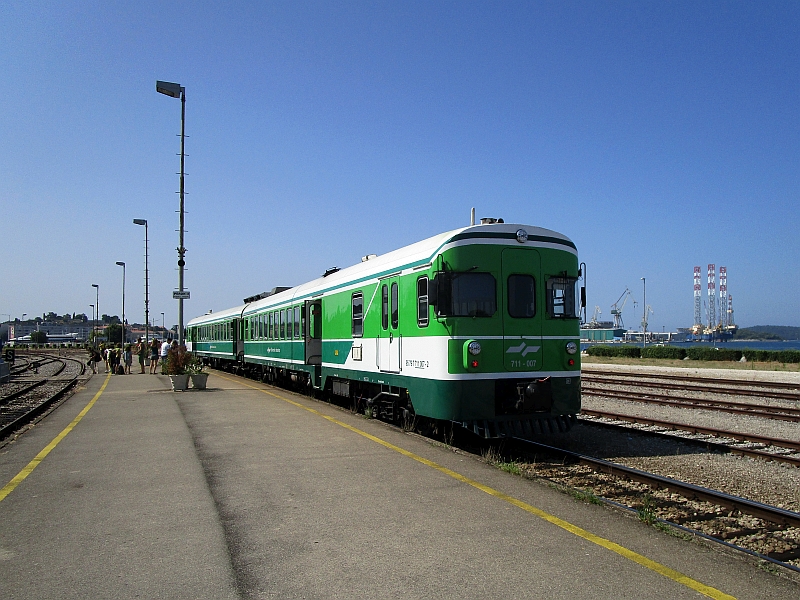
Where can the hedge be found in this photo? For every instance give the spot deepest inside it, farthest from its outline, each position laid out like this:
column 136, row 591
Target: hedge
column 664, row 352
column 622, row 350
column 695, row 353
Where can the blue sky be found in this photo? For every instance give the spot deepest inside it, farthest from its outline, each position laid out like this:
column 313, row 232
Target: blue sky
column 657, row 135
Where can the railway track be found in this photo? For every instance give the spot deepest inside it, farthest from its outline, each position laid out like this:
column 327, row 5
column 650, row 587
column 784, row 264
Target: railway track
column 789, row 447
column 767, row 532
column 664, row 381
column 782, row 413
column 21, row 402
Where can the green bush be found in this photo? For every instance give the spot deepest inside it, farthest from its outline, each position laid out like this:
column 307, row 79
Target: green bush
column 623, row 351
column 664, row 352
column 695, row 353
column 781, row 356
column 704, row 353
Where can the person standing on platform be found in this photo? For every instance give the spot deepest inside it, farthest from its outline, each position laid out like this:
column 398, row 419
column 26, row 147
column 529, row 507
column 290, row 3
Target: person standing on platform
column 113, row 359
column 141, row 352
column 127, row 357
column 154, row 346
column 164, row 353
column 104, row 353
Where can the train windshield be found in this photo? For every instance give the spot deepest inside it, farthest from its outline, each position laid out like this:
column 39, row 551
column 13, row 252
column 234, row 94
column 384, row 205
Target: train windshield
column 467, row 295
column 562, row 298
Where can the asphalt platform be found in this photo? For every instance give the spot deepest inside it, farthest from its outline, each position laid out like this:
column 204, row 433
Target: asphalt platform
column 248, row 491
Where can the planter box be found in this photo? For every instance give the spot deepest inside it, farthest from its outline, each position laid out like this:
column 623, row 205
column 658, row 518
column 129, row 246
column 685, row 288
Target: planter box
column 179, row 382
column 199, row 380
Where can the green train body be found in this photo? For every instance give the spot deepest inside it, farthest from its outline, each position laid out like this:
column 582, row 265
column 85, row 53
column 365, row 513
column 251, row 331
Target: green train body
column 477, row 326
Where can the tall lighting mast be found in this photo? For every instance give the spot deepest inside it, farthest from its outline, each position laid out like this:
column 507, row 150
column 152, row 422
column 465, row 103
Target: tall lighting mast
column 146, row 283
column 176, row 90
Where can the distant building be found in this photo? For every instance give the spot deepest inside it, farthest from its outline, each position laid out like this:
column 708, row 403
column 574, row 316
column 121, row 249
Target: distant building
column 78, row 332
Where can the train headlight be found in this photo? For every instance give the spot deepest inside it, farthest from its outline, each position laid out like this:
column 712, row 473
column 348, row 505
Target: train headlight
column 522, row 236
column 571, row 347
column 474, row 348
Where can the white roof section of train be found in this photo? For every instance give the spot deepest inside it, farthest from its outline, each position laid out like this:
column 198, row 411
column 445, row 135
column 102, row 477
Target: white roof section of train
column 417, row 254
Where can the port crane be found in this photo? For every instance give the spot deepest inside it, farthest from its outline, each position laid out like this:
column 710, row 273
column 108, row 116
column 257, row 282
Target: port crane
column 616, row 309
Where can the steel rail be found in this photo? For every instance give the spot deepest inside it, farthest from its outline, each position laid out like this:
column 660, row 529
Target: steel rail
column 742, row 408
column 21, row 391
column 726, row 385
column 28, row 416
column 722, row 447
column 773, row 514
column 742, row 437
column 689, row 387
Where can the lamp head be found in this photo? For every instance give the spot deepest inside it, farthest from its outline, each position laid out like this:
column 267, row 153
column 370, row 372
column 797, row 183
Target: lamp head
column 140, row 221
column 121, row 264
column 169, row 89
column 95, row 285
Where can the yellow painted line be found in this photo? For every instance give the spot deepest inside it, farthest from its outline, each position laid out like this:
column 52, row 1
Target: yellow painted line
column 20, row 477
column 566, row 525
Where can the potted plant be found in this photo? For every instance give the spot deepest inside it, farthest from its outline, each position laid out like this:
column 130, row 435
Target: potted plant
column 197, row 374
column 177, row 360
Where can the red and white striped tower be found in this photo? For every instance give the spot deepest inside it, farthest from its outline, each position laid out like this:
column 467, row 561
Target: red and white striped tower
column 731, row 322
column 698, row 319
column 712, row 296
column 723, row 296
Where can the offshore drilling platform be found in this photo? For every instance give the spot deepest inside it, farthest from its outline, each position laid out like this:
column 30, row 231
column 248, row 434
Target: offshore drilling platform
column 719, row 324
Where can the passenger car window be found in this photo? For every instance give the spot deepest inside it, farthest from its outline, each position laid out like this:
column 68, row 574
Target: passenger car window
column 422, row 302
column 395, row 307
column 357, row 325
column 385, row 307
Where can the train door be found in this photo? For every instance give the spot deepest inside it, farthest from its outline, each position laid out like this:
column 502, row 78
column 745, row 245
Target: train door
column 389, row 338
column 238, row 338
column 312, row 337
column 522, row 318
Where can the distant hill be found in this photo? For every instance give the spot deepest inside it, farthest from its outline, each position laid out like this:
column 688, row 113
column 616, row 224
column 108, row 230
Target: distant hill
column 768, row 332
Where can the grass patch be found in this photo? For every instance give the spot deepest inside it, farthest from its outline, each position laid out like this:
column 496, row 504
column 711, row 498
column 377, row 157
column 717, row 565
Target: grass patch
column 647, row 513
column 494, row 457
column 585, row 496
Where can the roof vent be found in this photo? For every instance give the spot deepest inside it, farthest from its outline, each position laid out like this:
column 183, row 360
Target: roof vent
column 330, row 271
column 368, row 257
column 490, row 221
column 262, row 295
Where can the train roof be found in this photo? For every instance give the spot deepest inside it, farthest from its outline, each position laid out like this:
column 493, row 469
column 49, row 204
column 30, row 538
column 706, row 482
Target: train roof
column 417, row 254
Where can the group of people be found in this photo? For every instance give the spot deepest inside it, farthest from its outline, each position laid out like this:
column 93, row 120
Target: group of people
column 118, row 359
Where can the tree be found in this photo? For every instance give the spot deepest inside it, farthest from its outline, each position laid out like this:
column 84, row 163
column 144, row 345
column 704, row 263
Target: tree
column 39, row 337
column 114, row 333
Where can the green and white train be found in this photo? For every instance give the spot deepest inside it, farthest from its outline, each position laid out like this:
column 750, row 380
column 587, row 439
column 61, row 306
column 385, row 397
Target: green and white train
column 478, row 326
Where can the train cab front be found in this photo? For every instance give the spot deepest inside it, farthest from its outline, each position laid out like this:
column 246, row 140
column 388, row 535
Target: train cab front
column 513, row 315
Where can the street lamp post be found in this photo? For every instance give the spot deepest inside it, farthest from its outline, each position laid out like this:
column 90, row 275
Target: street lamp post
column 97, row 308
column 644, row 319
column 122, row 264
column 176, row 90
column 92, row 305
column 163, row 329
column 146, row 283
